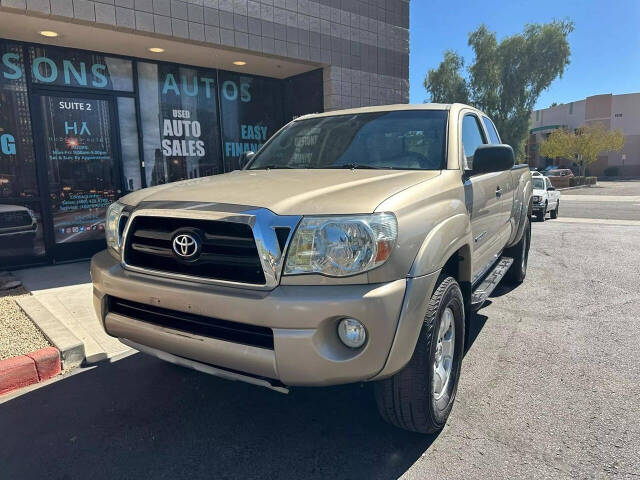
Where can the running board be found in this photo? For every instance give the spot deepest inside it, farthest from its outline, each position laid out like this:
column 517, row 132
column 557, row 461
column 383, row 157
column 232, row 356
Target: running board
column 491, row 281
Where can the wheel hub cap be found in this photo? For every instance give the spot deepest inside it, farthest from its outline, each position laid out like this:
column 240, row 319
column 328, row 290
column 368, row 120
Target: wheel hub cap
column 445, row 347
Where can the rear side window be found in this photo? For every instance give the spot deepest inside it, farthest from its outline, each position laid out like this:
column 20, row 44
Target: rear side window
column 472, row 137
column 491, row 128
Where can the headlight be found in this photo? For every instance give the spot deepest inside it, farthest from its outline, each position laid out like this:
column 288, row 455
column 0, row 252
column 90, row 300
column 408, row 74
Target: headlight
column 341, row 246
column 537, row 198
column 112, row 225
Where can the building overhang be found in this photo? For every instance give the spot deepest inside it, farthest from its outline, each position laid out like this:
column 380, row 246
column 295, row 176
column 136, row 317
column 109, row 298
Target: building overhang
column 26, row 28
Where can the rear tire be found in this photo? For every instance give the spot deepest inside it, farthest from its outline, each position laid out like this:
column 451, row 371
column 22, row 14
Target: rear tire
column 555, row 211
column 520, row 254
column 417, row 398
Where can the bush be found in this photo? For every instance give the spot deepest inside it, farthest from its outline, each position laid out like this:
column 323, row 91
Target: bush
column 574, row 181
column 611, row 172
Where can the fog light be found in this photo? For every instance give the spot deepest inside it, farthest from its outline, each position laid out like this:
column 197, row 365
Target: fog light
column 352, row 332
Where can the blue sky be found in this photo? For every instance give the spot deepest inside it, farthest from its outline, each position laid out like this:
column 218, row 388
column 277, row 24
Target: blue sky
column 605, row 45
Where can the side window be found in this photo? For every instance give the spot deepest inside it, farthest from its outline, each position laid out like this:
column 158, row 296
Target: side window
column 472, row 137
column 491, row 128
column 547, row 182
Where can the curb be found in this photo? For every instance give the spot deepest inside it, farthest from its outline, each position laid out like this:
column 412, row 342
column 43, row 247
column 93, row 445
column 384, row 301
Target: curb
column 24, row 370
column 574, row 188
column 71, row 348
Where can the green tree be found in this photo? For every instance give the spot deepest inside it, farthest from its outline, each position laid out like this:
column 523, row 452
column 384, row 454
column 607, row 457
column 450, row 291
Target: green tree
column 584, row 145
column 506, row 77
column 445, row 84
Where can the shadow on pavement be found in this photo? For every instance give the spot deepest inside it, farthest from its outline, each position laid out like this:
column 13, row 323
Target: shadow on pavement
column 476, row 326
column 143, row 418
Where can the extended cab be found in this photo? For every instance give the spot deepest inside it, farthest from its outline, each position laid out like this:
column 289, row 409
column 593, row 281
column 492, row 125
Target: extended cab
column 354, row 246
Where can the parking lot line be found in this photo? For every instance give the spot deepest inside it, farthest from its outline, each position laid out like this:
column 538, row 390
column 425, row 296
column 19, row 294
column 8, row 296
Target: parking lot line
column 601, row 221
column 601, row 198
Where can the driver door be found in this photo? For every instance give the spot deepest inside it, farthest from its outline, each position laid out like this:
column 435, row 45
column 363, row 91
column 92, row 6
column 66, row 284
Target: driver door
column 483, row 198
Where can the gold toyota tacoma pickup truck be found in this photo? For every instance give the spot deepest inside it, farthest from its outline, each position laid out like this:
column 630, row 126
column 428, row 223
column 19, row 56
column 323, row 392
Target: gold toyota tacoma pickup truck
column 354, row 246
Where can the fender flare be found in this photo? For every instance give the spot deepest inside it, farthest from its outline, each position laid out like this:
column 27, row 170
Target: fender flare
column 441, row 242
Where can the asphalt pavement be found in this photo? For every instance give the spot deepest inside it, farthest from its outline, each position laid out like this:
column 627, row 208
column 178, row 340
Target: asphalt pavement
column 549, row 389
column 607, row 200
column 627, row 210
column 607, row 188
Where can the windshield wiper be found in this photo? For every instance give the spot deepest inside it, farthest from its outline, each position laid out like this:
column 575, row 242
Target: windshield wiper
column 357, row 166
column 273, row 167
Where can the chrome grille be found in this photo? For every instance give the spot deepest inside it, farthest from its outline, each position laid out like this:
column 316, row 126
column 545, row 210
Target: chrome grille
column 228, row 249
column 15, row 219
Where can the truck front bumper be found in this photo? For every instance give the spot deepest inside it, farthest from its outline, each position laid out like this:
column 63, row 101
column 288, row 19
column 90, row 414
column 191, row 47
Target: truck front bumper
column 538, row 207
column 306, row 348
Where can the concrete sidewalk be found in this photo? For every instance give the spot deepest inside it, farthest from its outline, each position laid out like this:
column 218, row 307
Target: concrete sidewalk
column 65, row 290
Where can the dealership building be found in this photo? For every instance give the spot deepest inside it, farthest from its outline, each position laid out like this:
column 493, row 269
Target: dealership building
column 615, row 112
column 100, row 98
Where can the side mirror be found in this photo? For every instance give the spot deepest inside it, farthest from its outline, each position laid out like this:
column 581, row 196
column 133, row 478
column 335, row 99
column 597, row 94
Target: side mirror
column 551, row 189
column 493, row 158
column 245, row 158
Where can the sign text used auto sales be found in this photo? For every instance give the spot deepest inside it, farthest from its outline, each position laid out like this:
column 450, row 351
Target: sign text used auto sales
column 181, row 136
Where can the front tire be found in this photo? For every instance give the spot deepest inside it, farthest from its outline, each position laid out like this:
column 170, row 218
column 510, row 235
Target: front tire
column 556, row 211
column 543, row 214
column 420, row 396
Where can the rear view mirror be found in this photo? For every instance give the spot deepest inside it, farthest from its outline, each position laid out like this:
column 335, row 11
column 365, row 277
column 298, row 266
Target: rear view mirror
column 245, row 158
column 493, row 158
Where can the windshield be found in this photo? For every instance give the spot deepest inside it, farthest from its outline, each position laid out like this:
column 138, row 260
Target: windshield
column 404, row 140
column 538, row 184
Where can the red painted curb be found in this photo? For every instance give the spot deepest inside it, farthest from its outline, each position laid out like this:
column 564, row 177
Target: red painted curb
column 47, row 362
column 17, row 372
column 23, row 370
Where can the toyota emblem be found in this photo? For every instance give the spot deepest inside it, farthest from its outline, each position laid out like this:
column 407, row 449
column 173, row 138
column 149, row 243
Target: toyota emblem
column 186, row 246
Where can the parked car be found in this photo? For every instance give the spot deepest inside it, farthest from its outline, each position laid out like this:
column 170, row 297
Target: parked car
column 560, row 172
column 354, row 246
column 545, row 198
column 17, row 225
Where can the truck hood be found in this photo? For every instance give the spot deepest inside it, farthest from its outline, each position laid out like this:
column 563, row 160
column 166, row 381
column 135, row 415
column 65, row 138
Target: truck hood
column 12, row 208
column 290, row 192
column 538, row 192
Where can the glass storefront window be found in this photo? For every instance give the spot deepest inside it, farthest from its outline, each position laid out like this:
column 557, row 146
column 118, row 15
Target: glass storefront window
column 129, row 143
column 252, row 111
column 73, row 68
column 180, row 128
column 20, row 219
column 17, row 159
column 82, row 170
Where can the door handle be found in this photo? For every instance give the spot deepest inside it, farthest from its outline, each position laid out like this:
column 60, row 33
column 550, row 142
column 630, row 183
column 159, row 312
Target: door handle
column 498, row 192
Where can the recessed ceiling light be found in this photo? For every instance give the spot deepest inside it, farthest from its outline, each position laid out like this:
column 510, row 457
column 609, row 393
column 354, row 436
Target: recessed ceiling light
column 156, row 49
column 240, row 63
column 48, row 33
